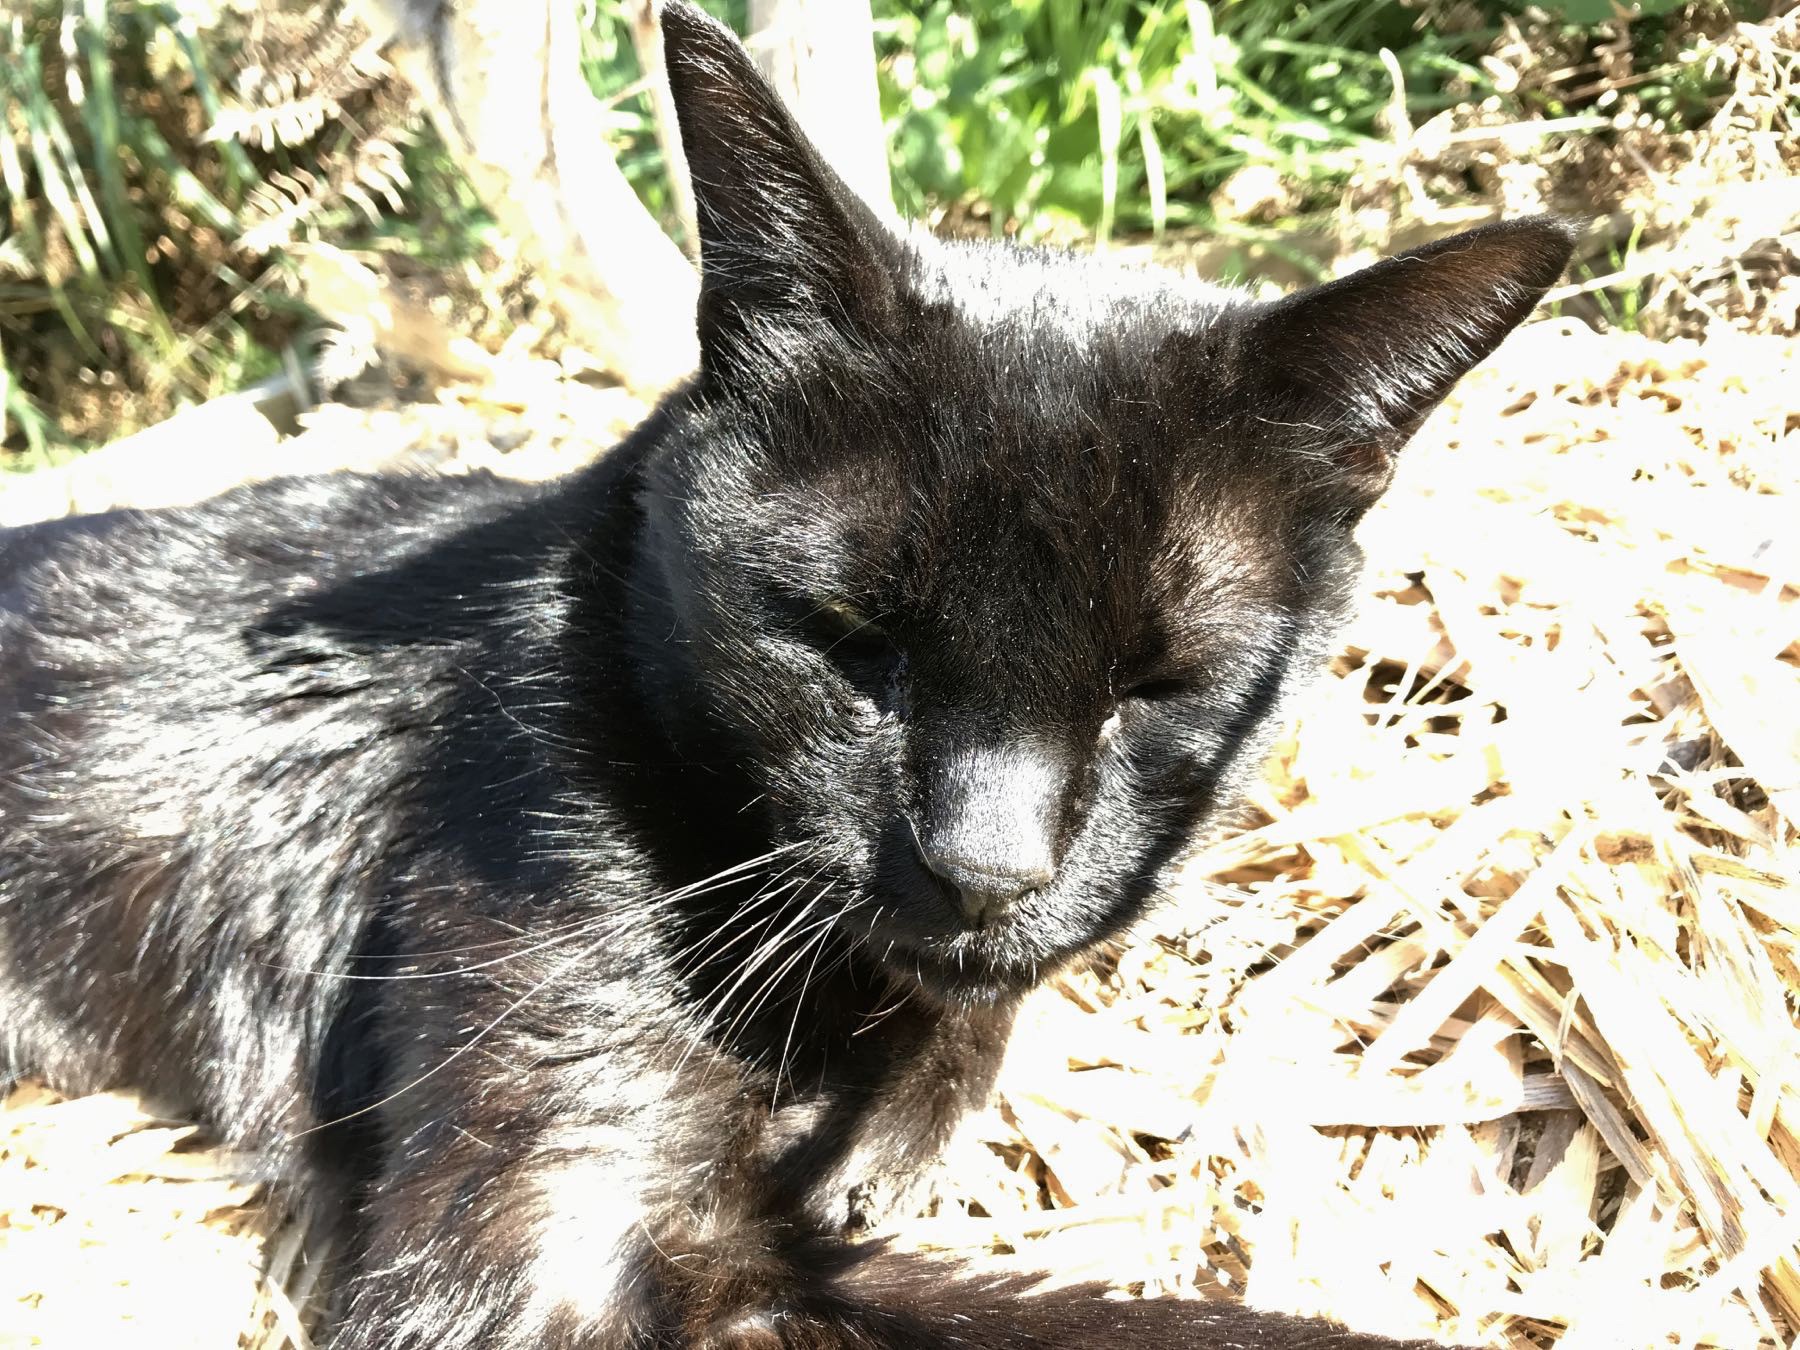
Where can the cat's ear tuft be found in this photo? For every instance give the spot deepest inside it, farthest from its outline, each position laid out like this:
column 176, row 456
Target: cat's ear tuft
column 784, row 244
column 1365, row 358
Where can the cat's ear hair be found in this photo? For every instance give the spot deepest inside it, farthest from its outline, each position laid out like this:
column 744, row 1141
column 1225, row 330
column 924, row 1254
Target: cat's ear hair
column 784, row 244
column 1365, row 358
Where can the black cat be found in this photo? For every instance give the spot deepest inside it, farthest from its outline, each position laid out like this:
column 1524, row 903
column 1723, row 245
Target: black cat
column 615, row 890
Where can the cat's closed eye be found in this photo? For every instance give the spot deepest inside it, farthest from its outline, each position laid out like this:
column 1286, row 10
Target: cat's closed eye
column 1165, row 691
column 1159, row 690
column 846, row 634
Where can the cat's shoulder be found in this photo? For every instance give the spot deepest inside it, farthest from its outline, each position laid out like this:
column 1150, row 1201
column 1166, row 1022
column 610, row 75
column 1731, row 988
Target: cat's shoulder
column 276, row 576
column 319, row 526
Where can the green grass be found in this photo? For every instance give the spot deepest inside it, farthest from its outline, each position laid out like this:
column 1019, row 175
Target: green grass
column 1126, row 115
column 1069, row 117
column 609, row 61
column 114, row 233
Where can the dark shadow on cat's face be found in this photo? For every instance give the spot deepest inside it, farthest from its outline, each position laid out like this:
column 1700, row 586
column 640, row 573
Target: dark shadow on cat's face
column 994, row 566
column 996, row 621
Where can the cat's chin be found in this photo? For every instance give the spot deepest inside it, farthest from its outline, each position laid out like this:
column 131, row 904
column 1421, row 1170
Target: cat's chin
column 968, row 980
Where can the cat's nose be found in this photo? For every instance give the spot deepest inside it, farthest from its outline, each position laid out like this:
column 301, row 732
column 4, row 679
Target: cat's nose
column 988, row 824
column 984, row 890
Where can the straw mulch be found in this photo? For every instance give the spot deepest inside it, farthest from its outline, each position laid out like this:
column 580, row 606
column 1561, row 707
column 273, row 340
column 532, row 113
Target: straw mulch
column 1482, row 1027
column 118, row 1228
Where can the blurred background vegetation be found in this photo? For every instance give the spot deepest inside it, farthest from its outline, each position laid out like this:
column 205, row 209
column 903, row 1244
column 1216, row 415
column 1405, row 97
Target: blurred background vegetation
column 162, row 177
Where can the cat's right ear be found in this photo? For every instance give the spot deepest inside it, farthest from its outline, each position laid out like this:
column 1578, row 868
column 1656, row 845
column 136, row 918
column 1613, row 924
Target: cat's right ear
column 1362, row 360
column 785, row 247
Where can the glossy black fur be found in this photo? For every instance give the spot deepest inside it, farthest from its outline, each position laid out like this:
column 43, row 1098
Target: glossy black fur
column 614, row 891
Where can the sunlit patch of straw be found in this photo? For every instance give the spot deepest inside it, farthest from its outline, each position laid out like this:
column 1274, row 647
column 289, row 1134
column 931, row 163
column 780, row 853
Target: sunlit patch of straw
column 118, row 1227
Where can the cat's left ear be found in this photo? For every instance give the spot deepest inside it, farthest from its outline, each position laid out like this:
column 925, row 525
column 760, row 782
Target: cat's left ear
column 1365, row 358
column 788, row 253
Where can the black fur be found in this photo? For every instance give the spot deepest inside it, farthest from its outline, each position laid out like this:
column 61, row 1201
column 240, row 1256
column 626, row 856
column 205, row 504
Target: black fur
column 615, row 890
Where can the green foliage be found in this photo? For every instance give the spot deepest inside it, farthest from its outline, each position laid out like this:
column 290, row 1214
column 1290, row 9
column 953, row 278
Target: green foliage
column 439, row 221
column 1128, row 113
column 68, row 251
column 1599, row 11
column 1676, row 82
column 20, row 409
column 609, row 61
column 1617, row 297
column 1077, row 116
column 132, row 281
column 114, row 262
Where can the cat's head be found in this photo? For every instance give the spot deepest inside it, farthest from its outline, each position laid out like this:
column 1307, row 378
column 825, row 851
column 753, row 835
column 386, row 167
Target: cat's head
column 994, row 566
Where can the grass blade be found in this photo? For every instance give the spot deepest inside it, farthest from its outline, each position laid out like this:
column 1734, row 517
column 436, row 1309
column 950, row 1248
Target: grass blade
column 100, row 110
column 1110, row 113
column 43, row 128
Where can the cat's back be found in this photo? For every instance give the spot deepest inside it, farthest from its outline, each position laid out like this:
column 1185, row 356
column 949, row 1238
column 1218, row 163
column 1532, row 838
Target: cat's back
column 134, row 643
column 247, row 549
column 209, row 717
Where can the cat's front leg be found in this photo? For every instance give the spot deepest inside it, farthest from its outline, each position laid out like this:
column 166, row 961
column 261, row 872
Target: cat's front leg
column 483, row 1236
column 881, row 1161
column 491, row 1237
